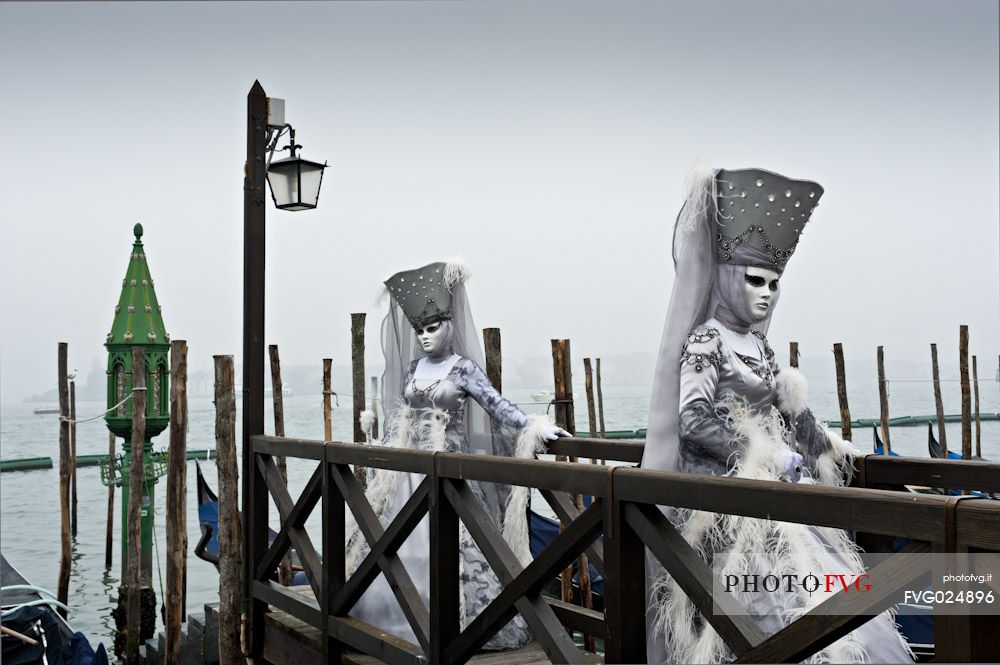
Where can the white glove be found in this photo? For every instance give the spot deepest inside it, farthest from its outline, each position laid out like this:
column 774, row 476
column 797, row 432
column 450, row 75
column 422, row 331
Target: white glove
column 789, row 466
column 552, row 432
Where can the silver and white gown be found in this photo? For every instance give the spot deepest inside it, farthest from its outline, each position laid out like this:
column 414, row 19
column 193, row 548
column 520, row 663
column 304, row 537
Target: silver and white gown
column 737, row 412
column 432, row 419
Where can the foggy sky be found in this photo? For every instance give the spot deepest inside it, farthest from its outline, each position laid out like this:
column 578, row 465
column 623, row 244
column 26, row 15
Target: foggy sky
column 546, row 142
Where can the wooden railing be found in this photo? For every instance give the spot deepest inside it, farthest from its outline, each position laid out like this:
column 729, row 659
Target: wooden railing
column 623, row 512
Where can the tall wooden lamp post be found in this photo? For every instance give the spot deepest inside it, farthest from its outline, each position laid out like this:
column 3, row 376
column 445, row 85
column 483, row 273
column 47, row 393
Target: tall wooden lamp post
column 295, row 185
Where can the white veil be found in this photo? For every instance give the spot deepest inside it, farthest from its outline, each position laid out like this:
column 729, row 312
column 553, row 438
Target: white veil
column 694, row 297
column 400, row 348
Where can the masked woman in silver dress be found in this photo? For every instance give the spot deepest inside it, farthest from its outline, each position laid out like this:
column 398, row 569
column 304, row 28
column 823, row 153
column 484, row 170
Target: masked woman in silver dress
column 433, row 368
column 722, row 406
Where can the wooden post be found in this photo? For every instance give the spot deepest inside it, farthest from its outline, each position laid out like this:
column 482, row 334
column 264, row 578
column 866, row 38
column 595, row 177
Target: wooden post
column 358, row 372
column 285, row 567
column 109, row 536
column 72, row 457
column 975, row 392
column 358, row 383
column 445, row 582
column 938, row 404
column 65, row 557
column 374, row 381
column 589, row 389
column 585, row 591
column 254, row 494
column 600, row 401
column 563, row 383
column 177, row 541
column 136, row 474
column 883, row 402
column 845, row 411
column 494, row 366
column 334, row 537
column 563, row 376
column 963, row 373
column 793, row 354
column 327, row 395
column 624, row 588
column 230, row 562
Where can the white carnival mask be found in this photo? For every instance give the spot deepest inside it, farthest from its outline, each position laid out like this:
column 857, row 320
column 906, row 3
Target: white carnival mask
column 434, row 338
column 761, row 289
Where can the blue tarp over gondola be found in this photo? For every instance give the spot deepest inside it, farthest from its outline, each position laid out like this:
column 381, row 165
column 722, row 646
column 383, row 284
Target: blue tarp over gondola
column 29, row 612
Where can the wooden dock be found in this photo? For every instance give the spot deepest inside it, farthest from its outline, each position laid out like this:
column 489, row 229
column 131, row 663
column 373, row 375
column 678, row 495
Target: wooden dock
column 289, row 626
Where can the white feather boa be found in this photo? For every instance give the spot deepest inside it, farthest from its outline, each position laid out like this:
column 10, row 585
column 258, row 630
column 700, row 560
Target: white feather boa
column 837, row 463
column 530, row 441
column 761, row 546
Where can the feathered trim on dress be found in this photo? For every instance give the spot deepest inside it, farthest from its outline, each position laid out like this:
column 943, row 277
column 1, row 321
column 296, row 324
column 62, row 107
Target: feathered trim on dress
column 834, row 465
column 379, row 486
column 756, row 546
column 367, row 421
column 793, row 391
column 530, row 441
column 430, row 434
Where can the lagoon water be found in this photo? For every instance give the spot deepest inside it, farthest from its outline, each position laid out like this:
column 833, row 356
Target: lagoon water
column 29, row 512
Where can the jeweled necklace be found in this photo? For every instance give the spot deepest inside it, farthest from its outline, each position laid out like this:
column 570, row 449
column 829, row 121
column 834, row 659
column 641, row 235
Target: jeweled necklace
column 426, row 391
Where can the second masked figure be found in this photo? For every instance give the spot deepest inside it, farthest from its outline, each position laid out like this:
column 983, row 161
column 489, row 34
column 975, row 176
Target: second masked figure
column 437, row 397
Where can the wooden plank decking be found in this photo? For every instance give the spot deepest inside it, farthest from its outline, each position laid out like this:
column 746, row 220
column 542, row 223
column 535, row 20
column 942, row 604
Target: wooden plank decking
column 289, row 641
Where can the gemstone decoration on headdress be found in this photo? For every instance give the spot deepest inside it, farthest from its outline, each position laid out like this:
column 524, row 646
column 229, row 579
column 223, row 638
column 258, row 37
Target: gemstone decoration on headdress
column 422, row 294
column 764, row 229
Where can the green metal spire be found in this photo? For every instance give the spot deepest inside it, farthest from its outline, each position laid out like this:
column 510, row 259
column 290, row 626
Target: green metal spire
column 137, row 315
column 138, row 322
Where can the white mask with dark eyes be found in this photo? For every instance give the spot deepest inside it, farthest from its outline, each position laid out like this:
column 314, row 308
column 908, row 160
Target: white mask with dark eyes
column 761, row 289
column 434, row 338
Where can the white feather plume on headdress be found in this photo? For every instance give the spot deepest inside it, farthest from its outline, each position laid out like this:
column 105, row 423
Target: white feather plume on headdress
column 456, row 271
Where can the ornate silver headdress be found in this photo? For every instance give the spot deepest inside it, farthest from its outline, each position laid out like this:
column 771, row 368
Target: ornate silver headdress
column 424, row 294
column 761, row 215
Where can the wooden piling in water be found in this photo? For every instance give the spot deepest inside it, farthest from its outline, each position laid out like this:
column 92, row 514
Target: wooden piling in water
column 600, row 401
column 938, row 404
column 585, row 589
column 109, row 537
column 975, row 392
column 327, row 399
column 358, row 372
column 793, row 354
column 230, row 562
column 177, row 541
column 277, row 395
column 883, row 402
column 358, row 383
column 72, row 459
column 588, row 387
column 374, row 382
column 491, row 348
column 963, row 374
column 65, row 557
column 565, row 418
column 845, row 411
column 133, row 574
column 278, row 398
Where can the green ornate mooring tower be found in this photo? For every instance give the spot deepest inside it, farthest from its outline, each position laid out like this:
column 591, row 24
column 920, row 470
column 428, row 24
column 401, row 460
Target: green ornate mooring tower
column 138, row 322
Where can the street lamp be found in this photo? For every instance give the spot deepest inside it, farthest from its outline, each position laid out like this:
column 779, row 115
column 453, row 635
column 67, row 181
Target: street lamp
column 295, row 185
column 294, row 181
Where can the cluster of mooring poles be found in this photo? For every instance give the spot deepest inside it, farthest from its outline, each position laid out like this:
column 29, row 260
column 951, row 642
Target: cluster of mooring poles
column 938, row 446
